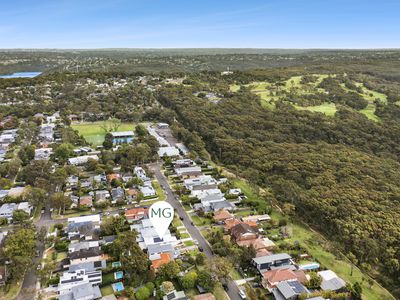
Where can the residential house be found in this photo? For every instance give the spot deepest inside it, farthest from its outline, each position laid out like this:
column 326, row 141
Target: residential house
column 221, row 216
column 330, row 281
column 203, row 180
column 82, row 292
column 86, row 200
column 43, row 153
column 85, row 255
column 81, row 160
column 73, row 247
column 72, row 182
column 272, row 278
column 147, row 191
column 7, row 209
column 155, row 250
column 274, row 261
column 147, row 235
column 102, row 195
column 122, row 137
column 113, row 176
column 141, row 174
column 72, row 279
column 90, row 265
column 189, row 172
column 289, row 290
column 131, row 194
column 163, row 259
column 174, row 295
column 168, row 151
column 257, row 218
column 183, row 163
column 117, row 194
column 243, row 232
column 82, row 230
column 136, row 214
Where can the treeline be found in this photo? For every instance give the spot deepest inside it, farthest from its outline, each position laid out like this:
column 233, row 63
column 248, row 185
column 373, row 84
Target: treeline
column 341, row 173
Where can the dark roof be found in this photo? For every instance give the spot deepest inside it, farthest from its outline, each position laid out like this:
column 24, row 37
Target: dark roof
column 84, row 253
column 241, row 229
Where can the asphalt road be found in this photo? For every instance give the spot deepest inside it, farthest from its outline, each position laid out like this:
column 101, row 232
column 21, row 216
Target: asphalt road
column 233, row 291
column 28, row 289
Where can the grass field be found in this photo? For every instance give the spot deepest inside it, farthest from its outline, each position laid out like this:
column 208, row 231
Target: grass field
column 94, row 133
column 106, row 290
column 265, row 90
column 328, row 109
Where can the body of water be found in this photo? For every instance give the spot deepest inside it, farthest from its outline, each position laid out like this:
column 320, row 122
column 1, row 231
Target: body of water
column 21, row 75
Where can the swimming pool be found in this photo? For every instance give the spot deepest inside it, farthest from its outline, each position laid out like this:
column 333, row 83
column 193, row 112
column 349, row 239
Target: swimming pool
column 118, row 286
column 312, row 266
column 118, row 275
column 116, row 264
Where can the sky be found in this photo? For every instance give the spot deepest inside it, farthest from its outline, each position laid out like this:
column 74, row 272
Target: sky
column 199, row 24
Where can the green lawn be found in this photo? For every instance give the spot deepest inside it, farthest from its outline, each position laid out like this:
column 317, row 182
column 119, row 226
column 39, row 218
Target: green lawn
column 107, row 290
column 94, row 132
column 199, row 221
column 188, row 243
column 328, row 109
column 160, row 193
column 219, row 293
column 61, row 256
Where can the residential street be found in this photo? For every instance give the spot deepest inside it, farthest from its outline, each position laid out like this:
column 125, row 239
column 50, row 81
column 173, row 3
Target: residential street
column 233, row 290
column 28, row 289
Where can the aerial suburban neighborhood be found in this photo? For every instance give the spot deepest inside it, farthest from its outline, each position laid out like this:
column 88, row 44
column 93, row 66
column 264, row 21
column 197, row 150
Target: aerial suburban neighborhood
column 80, row 212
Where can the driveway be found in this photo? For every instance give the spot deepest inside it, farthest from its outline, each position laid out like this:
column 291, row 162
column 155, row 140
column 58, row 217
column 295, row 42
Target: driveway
column 233, row 291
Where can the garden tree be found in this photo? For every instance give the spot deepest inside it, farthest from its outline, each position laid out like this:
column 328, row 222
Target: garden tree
column 108, row 141
column 71, row 136
column 20, row 216
column 142, row 293
column 167, row 287
column 92, row 164
column 133, row 259
column 246, row 256
column 37, row 171
column 189, row 280
column 45, row 272
column 63, row 151
column 113, row 225
column 355, row 291
column 219, row 267
column 57, row 178
column 35, row 196
column 19, row 248
column 10, row 168
column 26, row 154
column 200, row 259
column 140, row 131
column 315, row 281
column 250, row 293
column 170, row 270
column 60, row 201
column 205, row 280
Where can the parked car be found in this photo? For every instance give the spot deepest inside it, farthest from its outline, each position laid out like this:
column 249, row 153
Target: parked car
column 201, row 249
column 225, row 286
column 242, row 294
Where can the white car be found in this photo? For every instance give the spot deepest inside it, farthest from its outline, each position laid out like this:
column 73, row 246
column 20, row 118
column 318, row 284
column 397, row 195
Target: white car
column 242, row 294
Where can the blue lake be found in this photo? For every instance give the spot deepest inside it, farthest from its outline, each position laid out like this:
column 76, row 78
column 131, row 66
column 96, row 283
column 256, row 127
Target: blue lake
column 21, row 75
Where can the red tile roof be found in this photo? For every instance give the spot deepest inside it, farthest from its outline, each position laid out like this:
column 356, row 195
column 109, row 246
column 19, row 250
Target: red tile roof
column 164, row 259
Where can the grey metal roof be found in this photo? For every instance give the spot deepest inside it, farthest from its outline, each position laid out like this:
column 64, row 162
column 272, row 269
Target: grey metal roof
column 271, row 258
column 333, row 284
column 156, row 248
column 290, row 289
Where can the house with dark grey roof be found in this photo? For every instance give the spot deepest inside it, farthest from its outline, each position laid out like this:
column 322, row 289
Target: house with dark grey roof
column 85, row 255
column 268, row 262
column 289, row 290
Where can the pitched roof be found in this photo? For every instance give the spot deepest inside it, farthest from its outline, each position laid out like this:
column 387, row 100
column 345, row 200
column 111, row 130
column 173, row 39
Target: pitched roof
column 333, row 284
column 84, row 253
column 207, row 296
column 241, row 229
column 136, row 212
column 279, row 275
column 271, row 258
column 164, row 259
column 222, row 215
column 231, row 223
